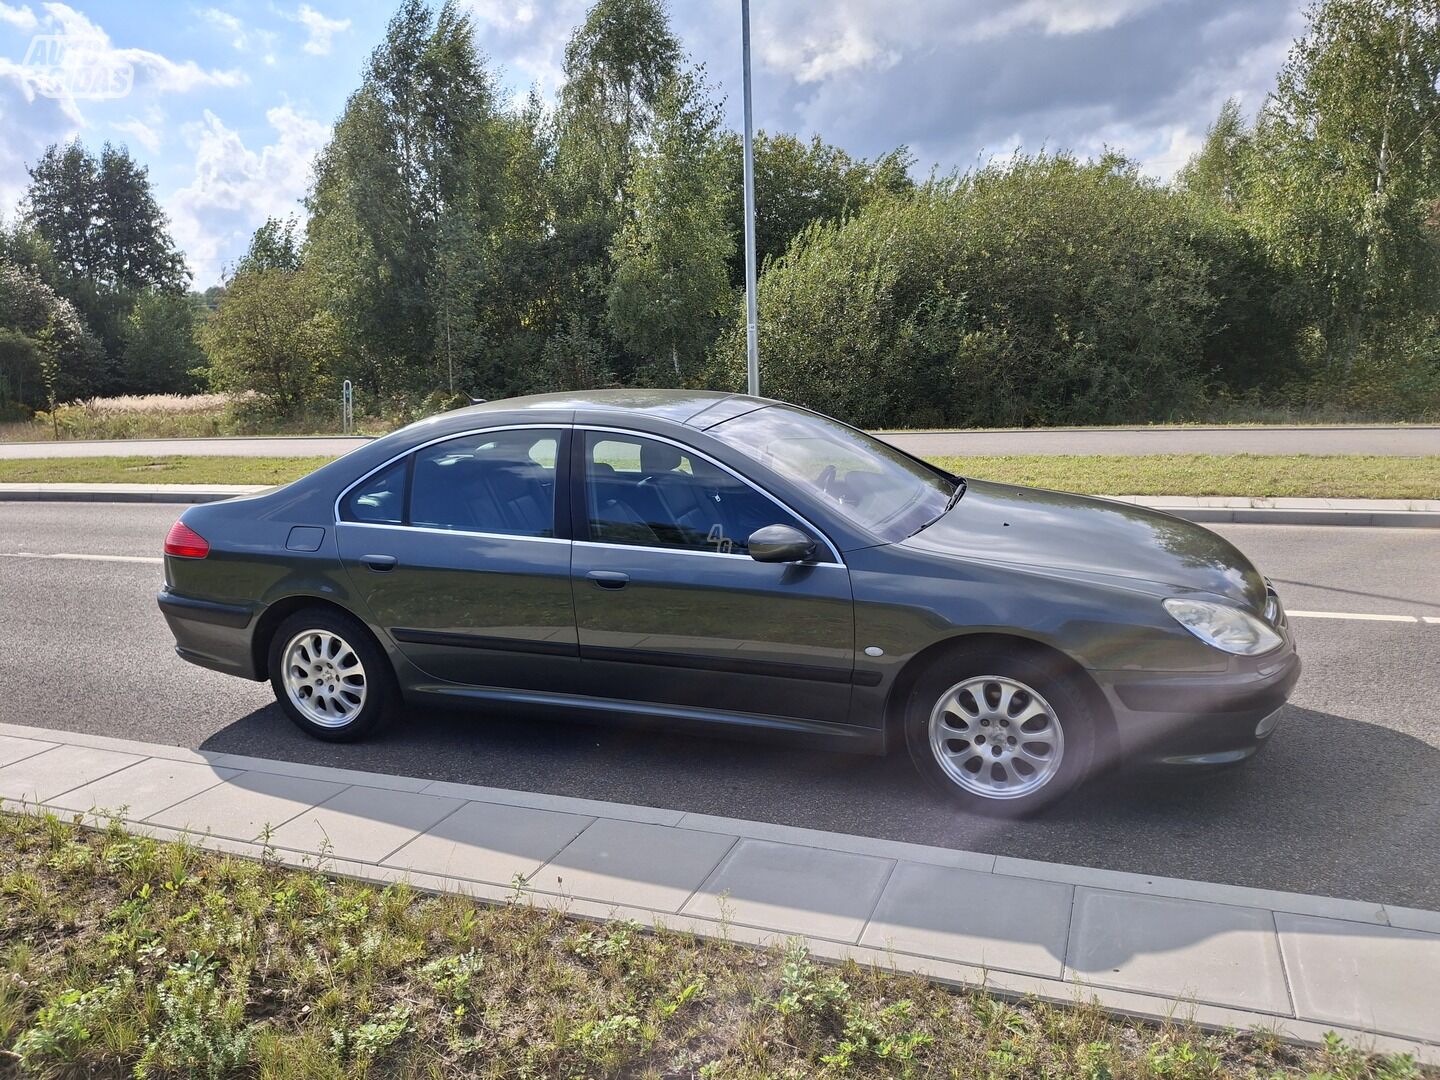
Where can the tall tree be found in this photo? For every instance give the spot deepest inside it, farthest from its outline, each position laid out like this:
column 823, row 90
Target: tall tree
column 108, row 237
column 671, row 255
column 1347, row 158
column 617, row 63
column 272, row 335
column 275, row 245
column 797, row 183
column 101, row 219
column 161, row 353
column 1217, row 171
column 417, row 146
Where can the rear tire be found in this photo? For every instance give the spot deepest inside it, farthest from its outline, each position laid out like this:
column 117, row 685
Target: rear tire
column 998, row 733
column 330, row 676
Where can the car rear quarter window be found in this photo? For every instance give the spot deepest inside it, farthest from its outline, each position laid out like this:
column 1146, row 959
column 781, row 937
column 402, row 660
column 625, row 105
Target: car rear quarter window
column 379, row 499
column 493, row 482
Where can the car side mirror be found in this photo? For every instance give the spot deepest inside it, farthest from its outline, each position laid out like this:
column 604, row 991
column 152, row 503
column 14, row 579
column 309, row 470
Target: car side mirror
column 780, row 543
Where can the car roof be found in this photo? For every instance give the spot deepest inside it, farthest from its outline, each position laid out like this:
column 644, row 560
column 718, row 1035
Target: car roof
column 678, row 406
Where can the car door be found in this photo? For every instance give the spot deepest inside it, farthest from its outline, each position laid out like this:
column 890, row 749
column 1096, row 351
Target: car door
column 669, row 606
column 458, row 554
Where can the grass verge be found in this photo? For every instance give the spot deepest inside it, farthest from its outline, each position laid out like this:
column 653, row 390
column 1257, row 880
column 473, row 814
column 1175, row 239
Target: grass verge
column 124, row 956
column 1340, row 476
column 157, row 470
column 1313, row 476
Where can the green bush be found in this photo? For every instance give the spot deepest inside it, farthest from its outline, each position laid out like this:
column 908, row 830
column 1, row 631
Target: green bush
column 1042, row 291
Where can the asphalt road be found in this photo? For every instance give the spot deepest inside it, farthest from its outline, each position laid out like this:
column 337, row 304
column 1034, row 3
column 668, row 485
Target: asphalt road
column 1344, row 802
column 1349, row 439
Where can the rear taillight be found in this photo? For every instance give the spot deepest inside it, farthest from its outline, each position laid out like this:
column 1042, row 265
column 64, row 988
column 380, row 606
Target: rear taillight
column 185, row 542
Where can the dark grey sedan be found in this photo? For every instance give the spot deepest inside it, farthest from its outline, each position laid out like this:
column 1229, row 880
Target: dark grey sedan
column 736, row 564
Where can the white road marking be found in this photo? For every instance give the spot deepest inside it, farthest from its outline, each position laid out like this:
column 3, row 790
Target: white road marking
column 1355, row 615
column 84, row 558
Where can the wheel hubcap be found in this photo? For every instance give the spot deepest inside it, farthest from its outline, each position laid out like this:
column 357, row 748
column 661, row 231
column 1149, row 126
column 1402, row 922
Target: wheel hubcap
column 996, row 737
column 324, row 678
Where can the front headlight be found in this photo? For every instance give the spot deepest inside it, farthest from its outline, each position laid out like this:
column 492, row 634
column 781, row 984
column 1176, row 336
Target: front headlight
column 1226, row 628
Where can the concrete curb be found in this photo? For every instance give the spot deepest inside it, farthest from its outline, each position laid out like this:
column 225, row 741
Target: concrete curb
column 1221, row 956
column 1385, row 513
column 180, row 494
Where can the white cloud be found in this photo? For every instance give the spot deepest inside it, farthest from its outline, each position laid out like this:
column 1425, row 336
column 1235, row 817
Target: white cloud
column 320, row 28
column 503, row 14
column 242, row 37
column 1060, row 16
column 965, row 80
column 527, row 38
column 22, row 18
column 141, row 132
column 230, row 25
column 234, row 189
column 29, row 122
column 827, row 50
column 152, row 68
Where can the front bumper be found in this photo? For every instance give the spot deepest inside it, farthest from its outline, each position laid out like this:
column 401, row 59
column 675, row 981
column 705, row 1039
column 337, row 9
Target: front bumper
column 211, row 634
column 1200, row 720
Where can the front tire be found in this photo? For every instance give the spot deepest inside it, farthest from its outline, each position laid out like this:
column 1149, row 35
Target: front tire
column 999, row 734
column 329, row 675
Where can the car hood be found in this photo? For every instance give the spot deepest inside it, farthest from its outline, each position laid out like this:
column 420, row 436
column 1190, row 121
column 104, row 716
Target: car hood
column 1057, row 531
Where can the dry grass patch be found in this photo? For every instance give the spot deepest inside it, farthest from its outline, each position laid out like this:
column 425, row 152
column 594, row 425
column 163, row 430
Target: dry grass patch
column 122, row 956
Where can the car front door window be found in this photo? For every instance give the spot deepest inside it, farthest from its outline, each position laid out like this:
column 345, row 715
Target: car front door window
column 651, row 493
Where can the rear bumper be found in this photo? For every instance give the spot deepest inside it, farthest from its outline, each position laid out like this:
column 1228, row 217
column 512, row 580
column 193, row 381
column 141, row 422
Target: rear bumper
column 1200, row 721
column 211, row 634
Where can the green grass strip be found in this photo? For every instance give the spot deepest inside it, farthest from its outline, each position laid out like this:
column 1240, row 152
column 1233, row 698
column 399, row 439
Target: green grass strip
column 1347, row 476
column 1308, row 476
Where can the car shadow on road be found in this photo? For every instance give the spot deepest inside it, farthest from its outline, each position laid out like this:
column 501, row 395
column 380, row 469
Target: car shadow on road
column 1333, row 806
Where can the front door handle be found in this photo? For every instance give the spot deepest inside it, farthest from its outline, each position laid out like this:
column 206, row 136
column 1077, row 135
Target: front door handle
column 609, row 579
column 381, row 564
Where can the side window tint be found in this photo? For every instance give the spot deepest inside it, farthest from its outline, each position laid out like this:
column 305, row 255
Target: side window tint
column 380, row 500
column 494, row 482
column 653, row 494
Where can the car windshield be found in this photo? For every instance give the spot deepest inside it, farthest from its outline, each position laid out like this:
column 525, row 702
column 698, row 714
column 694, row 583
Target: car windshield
column 874, row 485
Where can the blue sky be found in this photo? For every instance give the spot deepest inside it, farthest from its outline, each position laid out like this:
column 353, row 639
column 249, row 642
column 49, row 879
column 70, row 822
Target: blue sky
column 227, row 101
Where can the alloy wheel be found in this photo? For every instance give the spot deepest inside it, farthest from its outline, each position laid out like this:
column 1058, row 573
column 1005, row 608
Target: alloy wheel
column 324, row 678
column 995, row 737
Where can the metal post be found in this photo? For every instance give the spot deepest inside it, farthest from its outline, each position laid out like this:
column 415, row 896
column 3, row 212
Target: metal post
column 347, row 412
column 752, row 318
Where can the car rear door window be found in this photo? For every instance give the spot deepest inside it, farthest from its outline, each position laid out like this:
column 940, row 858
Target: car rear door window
column 651, row 493
column 493, row 482
column 379, row 499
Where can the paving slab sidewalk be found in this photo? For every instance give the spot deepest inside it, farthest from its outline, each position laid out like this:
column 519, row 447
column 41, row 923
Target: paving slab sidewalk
column 1223, row 956
column 1214, row 509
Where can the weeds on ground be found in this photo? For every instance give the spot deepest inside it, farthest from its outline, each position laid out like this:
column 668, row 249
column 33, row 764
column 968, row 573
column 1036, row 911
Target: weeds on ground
column 121, row 956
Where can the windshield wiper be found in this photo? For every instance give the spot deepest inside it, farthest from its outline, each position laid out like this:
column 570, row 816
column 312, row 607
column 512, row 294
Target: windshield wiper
column 955, row 495
column 949, row 505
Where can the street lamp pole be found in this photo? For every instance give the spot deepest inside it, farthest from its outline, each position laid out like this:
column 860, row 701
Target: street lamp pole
column 752, row 319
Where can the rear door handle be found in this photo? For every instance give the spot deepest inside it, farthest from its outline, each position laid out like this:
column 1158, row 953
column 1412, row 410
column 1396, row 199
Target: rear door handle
column 609, row 579
column 381, row 564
